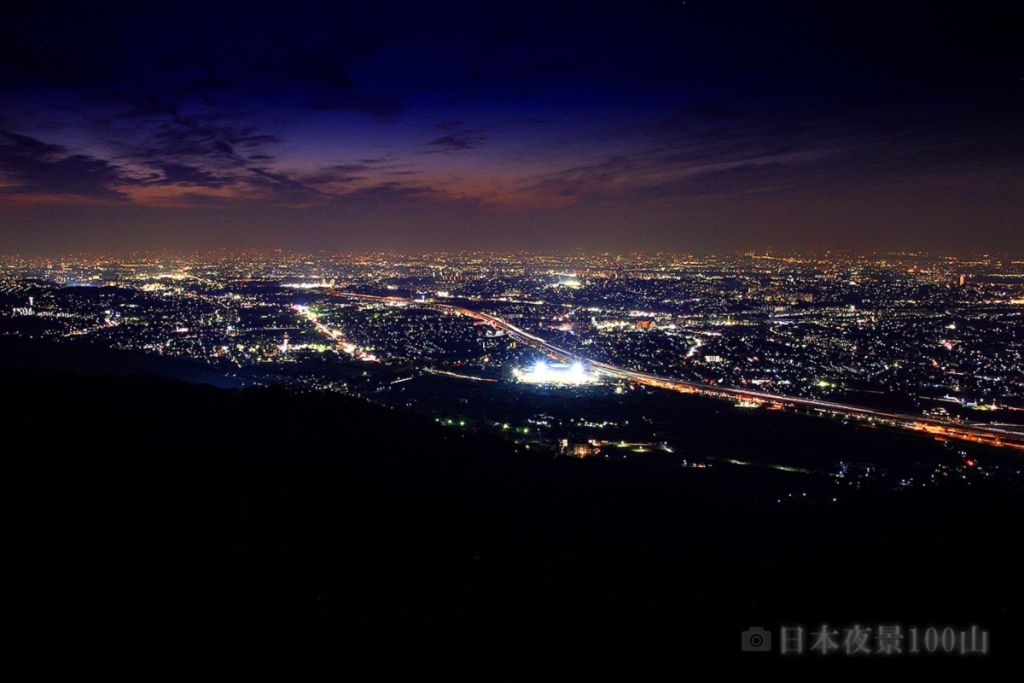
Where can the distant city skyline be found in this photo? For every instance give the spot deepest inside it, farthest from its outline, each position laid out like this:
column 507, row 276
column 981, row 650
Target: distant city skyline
column 583, row 259
column 687, row 127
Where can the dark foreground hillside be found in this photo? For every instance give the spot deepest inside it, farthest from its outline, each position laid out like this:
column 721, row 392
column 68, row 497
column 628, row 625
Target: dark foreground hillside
column 155, row 530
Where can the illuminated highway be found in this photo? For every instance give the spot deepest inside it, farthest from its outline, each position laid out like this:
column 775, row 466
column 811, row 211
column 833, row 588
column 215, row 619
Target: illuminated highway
column 985, row 434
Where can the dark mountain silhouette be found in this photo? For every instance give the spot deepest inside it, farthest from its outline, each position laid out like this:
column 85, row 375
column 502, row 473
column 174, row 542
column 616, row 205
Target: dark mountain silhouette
column 155, row 529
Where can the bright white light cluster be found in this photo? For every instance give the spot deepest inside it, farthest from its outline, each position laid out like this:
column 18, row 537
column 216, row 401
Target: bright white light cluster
column 555, row 373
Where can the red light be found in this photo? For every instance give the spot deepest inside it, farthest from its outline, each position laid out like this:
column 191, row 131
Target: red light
column 970, row 463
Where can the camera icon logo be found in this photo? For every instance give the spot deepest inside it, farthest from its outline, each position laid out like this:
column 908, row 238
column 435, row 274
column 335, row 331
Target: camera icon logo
column 756, row 639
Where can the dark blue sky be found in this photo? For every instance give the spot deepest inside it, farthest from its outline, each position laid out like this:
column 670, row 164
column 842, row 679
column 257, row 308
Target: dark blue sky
column 693, row 126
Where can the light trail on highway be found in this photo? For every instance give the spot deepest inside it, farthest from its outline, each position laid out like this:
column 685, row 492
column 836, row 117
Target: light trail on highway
column 985, row 434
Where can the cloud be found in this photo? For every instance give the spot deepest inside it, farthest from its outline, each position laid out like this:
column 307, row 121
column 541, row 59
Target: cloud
column 457, row 137
column 392, row 192
column 154, row 130
column 181, row 174
column 457, row 142
column 337, row 173
column 37, row 167
column 277, row 187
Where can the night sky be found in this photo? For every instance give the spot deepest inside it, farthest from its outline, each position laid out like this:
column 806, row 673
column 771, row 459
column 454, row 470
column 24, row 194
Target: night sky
column 693, row 126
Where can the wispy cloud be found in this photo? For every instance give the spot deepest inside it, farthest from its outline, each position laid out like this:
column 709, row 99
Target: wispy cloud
column 34, row 167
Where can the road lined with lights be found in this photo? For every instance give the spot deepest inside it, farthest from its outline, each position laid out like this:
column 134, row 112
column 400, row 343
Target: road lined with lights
column 985, row 434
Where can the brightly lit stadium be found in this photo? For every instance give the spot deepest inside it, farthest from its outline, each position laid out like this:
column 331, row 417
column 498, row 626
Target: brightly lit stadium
column 543, row 372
